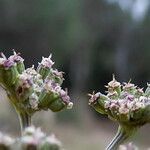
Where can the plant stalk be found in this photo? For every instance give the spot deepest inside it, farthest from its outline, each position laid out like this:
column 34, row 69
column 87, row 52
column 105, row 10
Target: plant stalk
column 24, row 117
column 120, row 137
column 25, row 120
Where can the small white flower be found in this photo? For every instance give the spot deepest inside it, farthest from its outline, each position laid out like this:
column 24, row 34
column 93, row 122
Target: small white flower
column 16, row 58
column 46, row 62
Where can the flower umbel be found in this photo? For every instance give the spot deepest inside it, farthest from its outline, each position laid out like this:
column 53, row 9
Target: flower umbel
column 125, row 103
column 31, row 89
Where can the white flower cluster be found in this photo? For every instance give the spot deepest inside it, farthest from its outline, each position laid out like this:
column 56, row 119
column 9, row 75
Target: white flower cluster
column 35, row 137
column 130, row 146
column 32, row 138
column 32, row 135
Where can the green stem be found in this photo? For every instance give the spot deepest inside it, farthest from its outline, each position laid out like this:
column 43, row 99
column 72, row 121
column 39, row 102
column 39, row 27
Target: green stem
column 121, row 136
column 25, row 120
column 24, row 117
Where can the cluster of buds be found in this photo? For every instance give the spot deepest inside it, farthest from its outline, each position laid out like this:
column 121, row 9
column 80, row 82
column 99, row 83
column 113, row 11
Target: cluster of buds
column 31, row 89
column 125, row 103
column 32, row 139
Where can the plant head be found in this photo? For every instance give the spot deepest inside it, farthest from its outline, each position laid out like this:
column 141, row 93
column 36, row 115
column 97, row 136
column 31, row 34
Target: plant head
column 126, row 104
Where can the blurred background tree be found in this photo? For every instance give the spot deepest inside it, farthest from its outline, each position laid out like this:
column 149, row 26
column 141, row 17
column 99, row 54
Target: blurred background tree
column 90, row 40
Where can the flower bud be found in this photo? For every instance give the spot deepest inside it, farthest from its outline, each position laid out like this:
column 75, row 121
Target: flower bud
column 57, row 105
column 48, row 94
column 8, row 71
column 45, row 66
column 46, row 98
column 9, row 75
column 44, row 72
column 53, row 97
column 97, row 101
column 18, row 60
column 129, row 88
column 63, row 101
column 114, row 86
column 56, row 76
